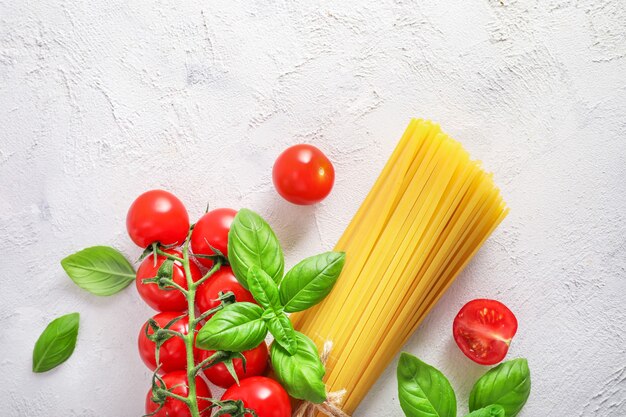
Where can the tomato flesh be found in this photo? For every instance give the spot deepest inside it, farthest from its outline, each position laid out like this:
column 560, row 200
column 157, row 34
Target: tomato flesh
column 483, row 330
column 157, row 216
column 263, row 395
column 207, row 295
column 303, row 175
column 256, row 363
column 173, row 354
column 164, row 299
column 212, row 230
column 177, row 381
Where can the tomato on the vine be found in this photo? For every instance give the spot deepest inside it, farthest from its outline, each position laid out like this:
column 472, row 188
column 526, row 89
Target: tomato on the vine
column 164, row 299
column 256, row 363
column 483, row 330
column 173, row 353
column 157, row 216
column 303, row 175
column 177, row 382
column 212, row 230
column 207, row 294
column 263, row 395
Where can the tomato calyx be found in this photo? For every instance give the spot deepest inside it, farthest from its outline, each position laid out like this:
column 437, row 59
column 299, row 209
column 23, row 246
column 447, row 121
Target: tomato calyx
column 224, row 298
column 160, row 394
column 162, row 334
column 225, row 357
column 217, row 255
column 234, row 408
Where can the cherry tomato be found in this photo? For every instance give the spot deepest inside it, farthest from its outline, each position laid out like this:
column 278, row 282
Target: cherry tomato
column 177, row 380
column 207, row 294
column 483, row 330
column 256, row 362
column 157, row 216
column 172, row 355
column 162, row 299
column 303, row 175
column 212, row 229
column 263, row 395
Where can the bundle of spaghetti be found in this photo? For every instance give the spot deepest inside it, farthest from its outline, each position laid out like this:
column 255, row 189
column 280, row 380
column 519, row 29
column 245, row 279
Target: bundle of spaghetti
column 428, row 213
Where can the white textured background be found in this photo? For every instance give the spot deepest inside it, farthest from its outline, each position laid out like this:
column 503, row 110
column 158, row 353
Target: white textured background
column 102, row 100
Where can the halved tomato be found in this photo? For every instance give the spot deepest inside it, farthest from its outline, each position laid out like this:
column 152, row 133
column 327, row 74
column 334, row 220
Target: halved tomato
column 483, row 330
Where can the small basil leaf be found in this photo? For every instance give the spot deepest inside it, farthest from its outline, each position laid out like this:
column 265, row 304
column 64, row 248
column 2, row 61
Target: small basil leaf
column 508, row 385
column 235, row 328
column 251, row 241
column 307, row 283
column 101, row 270
column 300, row 374
column 283, row 332
column 263, row 288
column 423, row 390
column 493, row 410
column 56, row 343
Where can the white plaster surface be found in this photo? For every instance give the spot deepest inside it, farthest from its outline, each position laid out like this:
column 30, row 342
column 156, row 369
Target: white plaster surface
column 102, row 100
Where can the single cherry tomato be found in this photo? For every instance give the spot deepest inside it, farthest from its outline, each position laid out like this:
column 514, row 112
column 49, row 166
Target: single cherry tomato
column 263, row 395
column 173, row 354
column 483, row 329
column 303, row 175
column 256, row 362
column 212, row 230
column 207, row 294
column 157, row 216
column 164, row 299
column 177, row 382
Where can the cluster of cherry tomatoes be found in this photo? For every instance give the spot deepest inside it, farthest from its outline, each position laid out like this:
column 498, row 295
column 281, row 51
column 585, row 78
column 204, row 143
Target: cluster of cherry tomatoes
column 159, row 216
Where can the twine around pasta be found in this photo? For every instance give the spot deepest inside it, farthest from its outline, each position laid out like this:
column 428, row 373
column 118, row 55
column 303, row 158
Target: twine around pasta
column 330, row 407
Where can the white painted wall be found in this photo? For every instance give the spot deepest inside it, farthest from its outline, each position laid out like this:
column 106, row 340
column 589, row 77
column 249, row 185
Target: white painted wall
column 101, row 100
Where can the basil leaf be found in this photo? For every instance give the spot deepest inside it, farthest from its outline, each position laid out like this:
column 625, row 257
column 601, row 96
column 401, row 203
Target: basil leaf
column 235, row 328
column 101, row 270
column 493, row 410
column 307, row 283
column 56, row 343
column 300, row 374
column 281, row 328
column 251, row 241
column 263, row 288
column 423, row 390
column 508, row 385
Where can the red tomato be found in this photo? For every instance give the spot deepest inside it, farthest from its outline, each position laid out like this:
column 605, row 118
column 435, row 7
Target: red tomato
column 263, row 395
column 172, row 355
column 176, row 408
column 212, row 229
column 256, row 362
column 161, row 299
column 483, row 329
column 157, row 216
column 207, row 295
column 303, row 175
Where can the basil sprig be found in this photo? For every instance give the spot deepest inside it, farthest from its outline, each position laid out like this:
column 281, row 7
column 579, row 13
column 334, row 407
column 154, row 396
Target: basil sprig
column 101, row 270
column 423, row 390
column 508, row 385
column 301, row 374
column 251, row 241
column 56, row 343
column 257, row 261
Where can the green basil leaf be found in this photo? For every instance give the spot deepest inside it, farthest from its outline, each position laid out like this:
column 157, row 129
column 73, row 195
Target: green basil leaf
column 235, row 328
column 263, row 288
column 281, row 328
column 493, row 410
column 101, row 270
column 423, row 390
column 300, row 374
column 56, row 343
column 307, row 283
column 251, row 241
column 508, row 385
